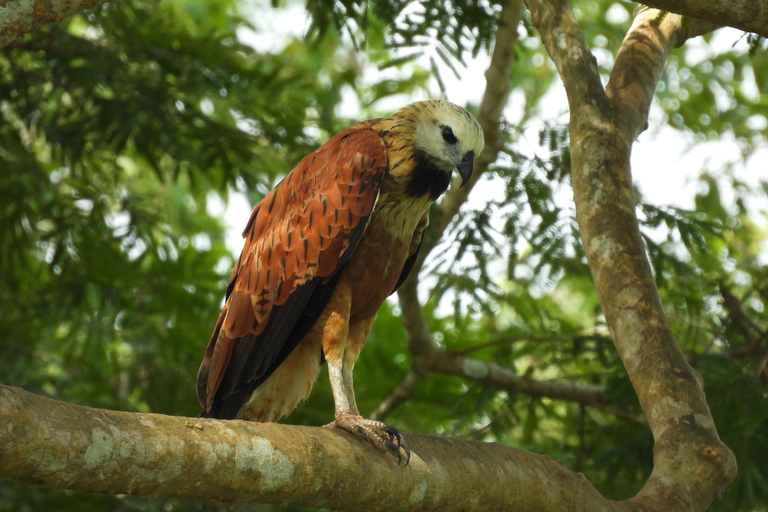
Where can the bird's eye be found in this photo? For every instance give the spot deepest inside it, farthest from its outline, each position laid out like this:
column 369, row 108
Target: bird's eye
column 448, row 135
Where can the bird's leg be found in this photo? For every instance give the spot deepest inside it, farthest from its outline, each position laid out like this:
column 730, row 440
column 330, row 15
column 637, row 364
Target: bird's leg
column 347, row 417
column 348, row 388
column 356, row 336
column 341, row 345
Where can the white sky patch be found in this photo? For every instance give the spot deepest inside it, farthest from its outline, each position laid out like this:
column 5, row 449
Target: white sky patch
column 86, row 205
column 274, row 27
column 201, row 242
column 235, row 212
column 616, row 15
column 757, row 122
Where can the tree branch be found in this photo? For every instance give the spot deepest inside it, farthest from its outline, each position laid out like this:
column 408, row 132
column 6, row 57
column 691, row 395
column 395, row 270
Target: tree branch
column 640, row 61
column 498, row 85
column 691, row 465
column 566, row 46
column 59, row 445
column 19, row 17
column 747, row 15
column 399, row 395
column 530, row 338
column 428, row 358
column 494, row 375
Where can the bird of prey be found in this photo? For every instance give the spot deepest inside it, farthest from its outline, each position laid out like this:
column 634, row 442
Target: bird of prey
column 323, row 250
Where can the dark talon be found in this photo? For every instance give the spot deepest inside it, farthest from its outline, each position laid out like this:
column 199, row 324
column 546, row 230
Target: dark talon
column 394, row 450
column 363, row 433
column 396, row 436
column 393, row 434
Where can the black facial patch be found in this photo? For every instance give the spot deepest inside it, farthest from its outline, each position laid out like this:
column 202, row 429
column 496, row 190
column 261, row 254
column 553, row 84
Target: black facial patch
column 427, row 178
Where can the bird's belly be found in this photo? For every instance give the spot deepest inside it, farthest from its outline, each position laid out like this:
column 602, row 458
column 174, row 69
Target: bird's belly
column 374, row 270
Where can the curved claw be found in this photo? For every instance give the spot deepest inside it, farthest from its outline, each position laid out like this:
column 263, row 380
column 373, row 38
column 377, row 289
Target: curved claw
column 394, row 450
column 395, row 435
column 407, row 453
column 375, row 433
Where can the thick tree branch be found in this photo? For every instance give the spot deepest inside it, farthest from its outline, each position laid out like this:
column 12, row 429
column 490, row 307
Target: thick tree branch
column 59, row 445
column 639, row 64
column 747, row 15
column 565, row 43
column 691, row 465
column 19, row 17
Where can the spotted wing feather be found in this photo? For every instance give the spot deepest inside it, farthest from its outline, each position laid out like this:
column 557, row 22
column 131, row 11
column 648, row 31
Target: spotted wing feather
column 297, row 241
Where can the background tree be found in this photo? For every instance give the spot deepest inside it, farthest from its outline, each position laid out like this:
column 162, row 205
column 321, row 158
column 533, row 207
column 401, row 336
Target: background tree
column 124, row 126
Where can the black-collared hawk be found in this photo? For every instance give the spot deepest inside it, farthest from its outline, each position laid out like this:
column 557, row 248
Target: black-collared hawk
column 323, row 250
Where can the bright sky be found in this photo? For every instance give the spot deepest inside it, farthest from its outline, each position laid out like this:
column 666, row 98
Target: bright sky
column 663, row 166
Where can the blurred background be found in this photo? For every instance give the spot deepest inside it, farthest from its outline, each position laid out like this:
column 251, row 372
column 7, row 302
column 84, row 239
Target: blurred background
column 136, row 137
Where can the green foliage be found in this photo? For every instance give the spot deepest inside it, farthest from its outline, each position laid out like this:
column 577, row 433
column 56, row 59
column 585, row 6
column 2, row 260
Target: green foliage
column 121, row 125
column 724, row 93
column 756, row 44
column 454, row 27
column 117, row 127
column 447, row 31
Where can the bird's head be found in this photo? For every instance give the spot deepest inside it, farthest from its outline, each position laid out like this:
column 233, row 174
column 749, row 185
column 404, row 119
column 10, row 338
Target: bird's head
column 440, row 137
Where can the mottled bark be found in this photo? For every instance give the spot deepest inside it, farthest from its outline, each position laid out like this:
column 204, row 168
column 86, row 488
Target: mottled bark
column 639, row 63
column 19, row 17
column 747, row 15
column 64, row 446
column 691, row 465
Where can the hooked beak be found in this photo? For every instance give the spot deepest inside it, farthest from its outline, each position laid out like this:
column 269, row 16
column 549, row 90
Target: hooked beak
column 465, row 166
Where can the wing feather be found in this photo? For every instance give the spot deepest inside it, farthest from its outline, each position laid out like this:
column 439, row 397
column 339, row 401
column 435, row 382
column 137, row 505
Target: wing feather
column 297, row 240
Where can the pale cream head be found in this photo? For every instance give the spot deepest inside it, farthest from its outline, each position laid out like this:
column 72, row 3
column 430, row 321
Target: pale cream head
column 446, row 132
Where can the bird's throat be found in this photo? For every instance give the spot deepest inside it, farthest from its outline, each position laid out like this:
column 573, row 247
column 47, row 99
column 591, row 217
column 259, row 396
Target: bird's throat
column 426, row 178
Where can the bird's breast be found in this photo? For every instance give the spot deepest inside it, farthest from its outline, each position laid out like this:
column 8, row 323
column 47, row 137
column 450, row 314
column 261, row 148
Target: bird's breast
column 379, row 258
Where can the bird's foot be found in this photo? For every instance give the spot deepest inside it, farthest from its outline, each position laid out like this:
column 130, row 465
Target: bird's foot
column 378, row 434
